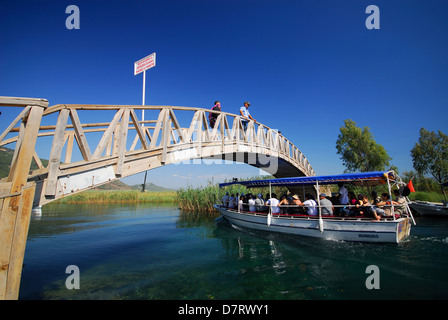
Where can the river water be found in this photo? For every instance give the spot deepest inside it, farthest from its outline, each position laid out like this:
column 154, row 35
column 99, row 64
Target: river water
column 144, row 251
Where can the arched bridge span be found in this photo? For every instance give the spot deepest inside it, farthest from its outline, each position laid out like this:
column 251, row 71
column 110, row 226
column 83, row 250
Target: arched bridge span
column 122, row 144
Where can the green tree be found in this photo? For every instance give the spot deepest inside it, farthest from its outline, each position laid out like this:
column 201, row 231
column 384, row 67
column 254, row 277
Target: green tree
column 430, row 155
column 359, row 151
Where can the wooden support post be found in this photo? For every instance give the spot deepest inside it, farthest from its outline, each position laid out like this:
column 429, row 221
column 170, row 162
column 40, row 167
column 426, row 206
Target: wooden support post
column 156, row 131
column 14, row 232
column 122, row 143
column 55, row 155
column 69, row 149
column 16, row 209
column 199, row 134
column 80, row 136
column 107, row 134
column 140, row 131
column 25, row 154
column 165, row 135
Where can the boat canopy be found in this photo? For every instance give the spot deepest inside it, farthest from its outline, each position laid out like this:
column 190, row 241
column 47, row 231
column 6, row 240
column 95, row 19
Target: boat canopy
column 364, row 179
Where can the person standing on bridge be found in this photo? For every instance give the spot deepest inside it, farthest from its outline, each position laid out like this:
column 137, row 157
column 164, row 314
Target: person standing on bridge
column 244, row 110
column 213, row 116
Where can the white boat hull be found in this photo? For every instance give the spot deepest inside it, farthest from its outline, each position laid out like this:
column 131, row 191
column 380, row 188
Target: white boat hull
column 365, row 230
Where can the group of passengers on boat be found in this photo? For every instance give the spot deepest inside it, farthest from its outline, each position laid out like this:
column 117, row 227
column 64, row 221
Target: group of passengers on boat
column 343, row 204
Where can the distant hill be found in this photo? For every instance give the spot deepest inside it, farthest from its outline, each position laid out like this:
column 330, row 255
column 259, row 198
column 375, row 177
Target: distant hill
column 151, row 187
column 6, row 158
column 5, row 161
column 119, row 185
column 114, row 185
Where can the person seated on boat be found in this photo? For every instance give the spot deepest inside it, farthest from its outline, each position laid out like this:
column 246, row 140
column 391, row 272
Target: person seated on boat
column 358, row 208
column 386, row 205
column 243, row 202
column 310, row 204
column 284, row 204
column 326, row 206
column 352, row 199
column 296, row 200
column 295, row 205
column 369, row 210
column 353, row 204
column 232, row 201
column 240, row 203
column 259, row 203
column 375, row 198
column 399, row 198
column 225, row 200
column 251, row 202
column 273, row 203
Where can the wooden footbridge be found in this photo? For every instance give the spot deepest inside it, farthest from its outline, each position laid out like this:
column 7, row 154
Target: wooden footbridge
column 82, row 155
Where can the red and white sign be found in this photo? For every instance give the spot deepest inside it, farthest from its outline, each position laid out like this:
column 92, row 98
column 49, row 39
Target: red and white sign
column 145, row 63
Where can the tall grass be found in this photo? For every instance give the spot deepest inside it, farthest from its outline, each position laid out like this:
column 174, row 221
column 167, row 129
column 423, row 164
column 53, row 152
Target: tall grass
column 427, row 196
column 202, row 199
column 103, row 196
column 198, row 199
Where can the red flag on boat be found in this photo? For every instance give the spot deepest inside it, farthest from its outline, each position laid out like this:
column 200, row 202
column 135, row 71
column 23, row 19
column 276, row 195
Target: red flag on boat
column 410, row 186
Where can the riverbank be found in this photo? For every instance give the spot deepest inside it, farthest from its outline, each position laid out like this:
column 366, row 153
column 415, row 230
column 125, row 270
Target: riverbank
column 120, row 196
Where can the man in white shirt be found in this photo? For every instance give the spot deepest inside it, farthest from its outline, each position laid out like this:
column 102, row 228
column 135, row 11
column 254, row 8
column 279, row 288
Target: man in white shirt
column 310, row 204
column 273, row 203
column 244, row 110
column 344, row 194
column 225, row 200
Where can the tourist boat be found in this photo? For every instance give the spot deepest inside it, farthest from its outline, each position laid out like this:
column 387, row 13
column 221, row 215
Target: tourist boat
column 392, row 229
column 429, row 208
column 425, row 208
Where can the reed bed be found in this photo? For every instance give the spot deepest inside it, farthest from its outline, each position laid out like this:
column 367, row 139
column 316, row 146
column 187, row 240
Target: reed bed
column 108, row 196
column 199, row 200
column 202, row 199
column 431, row 196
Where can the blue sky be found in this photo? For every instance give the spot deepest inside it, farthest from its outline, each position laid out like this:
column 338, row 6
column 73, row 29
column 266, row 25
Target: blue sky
column 305, row 66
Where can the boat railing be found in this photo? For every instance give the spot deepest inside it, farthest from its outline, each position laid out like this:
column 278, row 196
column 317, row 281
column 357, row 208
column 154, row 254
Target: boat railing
column 396, row 210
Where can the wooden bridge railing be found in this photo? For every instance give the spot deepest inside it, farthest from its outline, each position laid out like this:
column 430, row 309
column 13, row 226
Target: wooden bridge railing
column 124, row 145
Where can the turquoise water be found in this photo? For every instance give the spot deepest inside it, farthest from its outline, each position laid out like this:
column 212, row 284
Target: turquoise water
column 158, row 252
